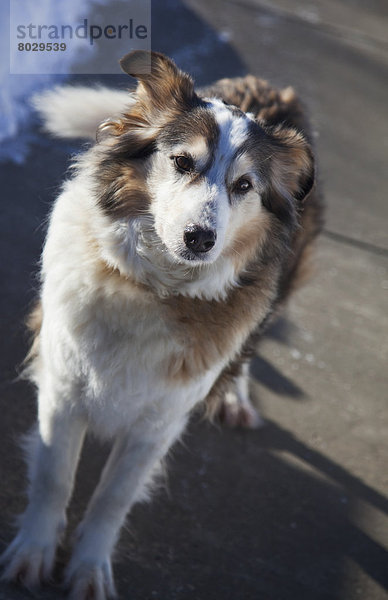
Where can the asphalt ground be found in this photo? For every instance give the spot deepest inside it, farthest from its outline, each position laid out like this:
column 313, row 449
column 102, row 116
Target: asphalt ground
column 295, row 510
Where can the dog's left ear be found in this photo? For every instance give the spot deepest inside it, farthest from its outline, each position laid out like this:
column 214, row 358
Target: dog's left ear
column 292, row 164
column 162, row 87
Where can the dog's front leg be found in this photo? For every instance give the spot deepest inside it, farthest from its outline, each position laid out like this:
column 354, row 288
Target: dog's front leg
column 125, row 479
column 237, row 408
column 52, row 451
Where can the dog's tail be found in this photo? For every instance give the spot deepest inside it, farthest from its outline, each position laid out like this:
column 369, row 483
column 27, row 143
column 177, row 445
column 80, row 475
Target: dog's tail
column 76, row 112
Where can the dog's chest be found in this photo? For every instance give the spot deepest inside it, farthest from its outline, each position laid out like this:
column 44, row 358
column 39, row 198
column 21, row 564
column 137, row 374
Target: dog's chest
column 131, row 347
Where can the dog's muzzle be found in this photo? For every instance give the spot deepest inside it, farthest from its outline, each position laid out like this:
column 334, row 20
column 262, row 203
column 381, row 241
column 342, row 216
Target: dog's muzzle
column 199, row 240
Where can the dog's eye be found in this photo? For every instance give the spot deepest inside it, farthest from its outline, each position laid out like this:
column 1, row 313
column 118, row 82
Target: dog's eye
column 242, row 186
column 184, row 163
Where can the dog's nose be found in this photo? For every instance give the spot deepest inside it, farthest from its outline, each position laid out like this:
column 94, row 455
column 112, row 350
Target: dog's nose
column 199, row 239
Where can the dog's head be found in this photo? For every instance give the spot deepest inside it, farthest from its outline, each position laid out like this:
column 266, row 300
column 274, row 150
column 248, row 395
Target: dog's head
column 211, row 176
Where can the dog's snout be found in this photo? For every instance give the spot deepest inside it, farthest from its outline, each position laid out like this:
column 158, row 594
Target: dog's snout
column 198, row 239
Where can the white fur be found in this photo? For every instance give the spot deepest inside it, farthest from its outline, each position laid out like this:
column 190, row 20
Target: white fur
column 105, row 343
column 233, row 130
column 70, row 112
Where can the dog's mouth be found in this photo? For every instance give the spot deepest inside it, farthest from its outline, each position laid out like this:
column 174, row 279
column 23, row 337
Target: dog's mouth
column 187, row 255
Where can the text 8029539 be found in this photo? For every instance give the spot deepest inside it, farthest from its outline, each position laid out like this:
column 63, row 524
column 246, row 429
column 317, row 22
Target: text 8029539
column 41, row 47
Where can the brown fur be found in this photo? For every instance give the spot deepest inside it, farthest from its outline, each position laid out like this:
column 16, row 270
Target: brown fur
column 214, row 328
column 249, row 241
column 270, row 106
column 162, row 87
column 121, row 187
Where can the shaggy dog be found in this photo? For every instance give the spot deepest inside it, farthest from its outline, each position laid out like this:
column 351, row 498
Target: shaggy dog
column 182, row 230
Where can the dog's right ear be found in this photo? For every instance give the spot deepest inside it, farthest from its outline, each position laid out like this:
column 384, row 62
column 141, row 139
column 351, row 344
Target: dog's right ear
column 163, row 93
column 163, row 89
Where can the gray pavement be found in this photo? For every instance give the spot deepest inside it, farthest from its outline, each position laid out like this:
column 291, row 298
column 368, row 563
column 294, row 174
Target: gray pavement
column 296, row 510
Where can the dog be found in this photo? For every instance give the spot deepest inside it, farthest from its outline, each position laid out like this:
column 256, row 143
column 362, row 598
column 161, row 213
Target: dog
column 181, row 232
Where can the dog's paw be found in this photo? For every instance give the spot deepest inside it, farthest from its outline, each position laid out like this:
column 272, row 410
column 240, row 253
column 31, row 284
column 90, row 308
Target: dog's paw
column 238, row 411
column 91, row 581
column 28, row 560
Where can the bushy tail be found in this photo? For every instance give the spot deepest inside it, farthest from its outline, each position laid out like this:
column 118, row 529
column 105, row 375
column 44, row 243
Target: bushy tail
column 70, row 112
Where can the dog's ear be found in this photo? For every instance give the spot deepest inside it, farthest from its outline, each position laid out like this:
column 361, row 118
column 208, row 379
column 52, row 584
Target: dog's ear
column 292, row 171
column 162, row 87
column 163, row 92
column 292, row 164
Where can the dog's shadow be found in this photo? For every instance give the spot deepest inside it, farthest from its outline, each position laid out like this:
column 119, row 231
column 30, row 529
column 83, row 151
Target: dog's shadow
column 268, row 374
column 252, row 515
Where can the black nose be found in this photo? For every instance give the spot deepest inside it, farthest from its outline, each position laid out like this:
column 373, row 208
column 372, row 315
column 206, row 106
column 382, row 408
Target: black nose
column 198, row 239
